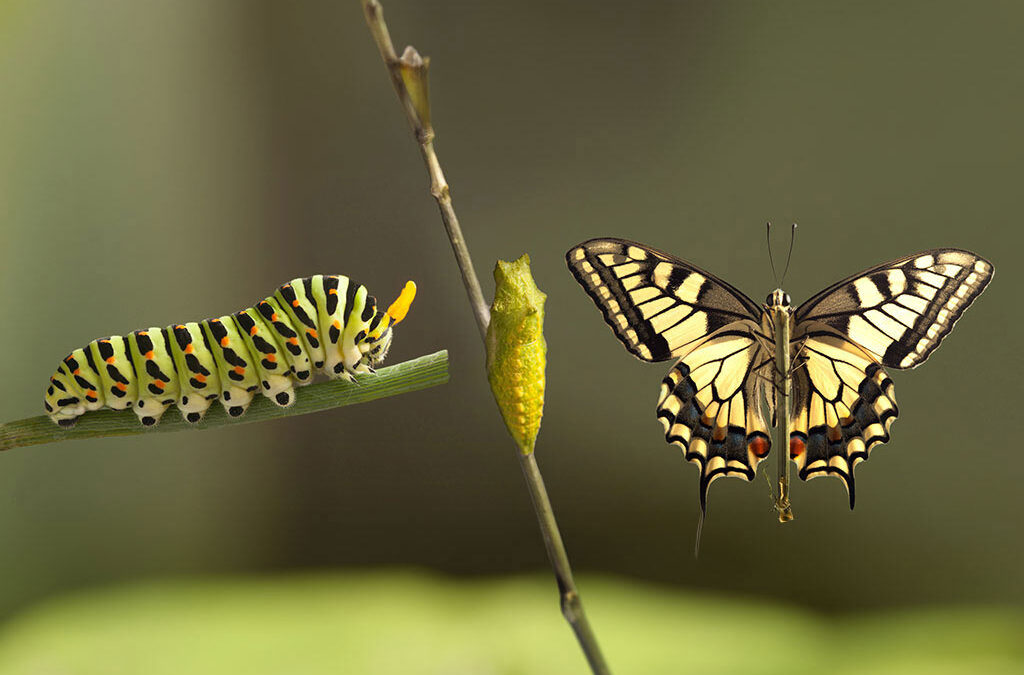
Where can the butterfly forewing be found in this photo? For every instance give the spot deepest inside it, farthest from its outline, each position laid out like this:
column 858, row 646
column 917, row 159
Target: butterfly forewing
column 656, row 304
column 901, row 311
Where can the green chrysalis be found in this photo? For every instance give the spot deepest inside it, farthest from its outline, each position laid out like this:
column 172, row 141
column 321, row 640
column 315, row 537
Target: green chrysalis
column 516, row 351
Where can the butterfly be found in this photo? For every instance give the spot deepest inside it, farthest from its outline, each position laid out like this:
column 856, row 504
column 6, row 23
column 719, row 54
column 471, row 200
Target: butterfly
column 738, row 363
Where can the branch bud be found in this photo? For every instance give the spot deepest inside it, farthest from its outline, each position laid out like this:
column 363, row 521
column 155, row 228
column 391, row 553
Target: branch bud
column 413, row 70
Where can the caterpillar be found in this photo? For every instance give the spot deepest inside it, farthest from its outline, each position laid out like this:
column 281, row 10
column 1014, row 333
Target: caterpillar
column 321, row 324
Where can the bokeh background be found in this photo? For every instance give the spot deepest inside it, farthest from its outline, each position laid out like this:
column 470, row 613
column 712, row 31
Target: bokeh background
column 166, row 161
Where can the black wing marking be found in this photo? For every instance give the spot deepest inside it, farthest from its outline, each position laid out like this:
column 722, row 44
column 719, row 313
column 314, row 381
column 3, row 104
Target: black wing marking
column 842, row 405
column 900, row 311
column 710, row 405
column 656, row 303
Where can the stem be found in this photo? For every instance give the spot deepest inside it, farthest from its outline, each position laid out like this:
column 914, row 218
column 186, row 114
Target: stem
column 419, row 119
column 572, row 604
column 421, row 373
column 425, row 139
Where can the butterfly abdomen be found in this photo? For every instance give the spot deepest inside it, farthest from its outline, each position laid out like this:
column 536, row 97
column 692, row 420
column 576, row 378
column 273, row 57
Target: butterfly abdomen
column 270, row 348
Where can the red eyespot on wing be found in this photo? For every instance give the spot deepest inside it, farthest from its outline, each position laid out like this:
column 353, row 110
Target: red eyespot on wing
column 796, row 446
column 759, row 446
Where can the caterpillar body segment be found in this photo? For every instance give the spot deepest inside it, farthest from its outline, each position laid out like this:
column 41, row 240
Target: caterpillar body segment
column 325, row 323
column 198, row 375
column 110, row 359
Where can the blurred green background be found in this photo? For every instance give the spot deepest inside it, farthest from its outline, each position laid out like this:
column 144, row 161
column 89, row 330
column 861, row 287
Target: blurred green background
column 166, row 161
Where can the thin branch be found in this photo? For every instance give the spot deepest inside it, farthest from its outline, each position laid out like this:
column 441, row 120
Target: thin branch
column 409, row 77
column 421, row 373
column 419, row 119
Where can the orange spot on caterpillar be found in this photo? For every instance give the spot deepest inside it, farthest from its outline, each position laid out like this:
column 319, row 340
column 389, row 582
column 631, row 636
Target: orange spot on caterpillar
column 189, row 348
column 158, row 384
column 76, row 371
column 759, row 446
column 252, row 331
column 91, row 392
column 295, row 302
column 293, row 341
column 311, row 333
column 224, row 341
column 273, row 317
column 240, row 370
column 142, row 332
column 111, row 359
column 333, row 291
column 200, row 377
column 337, row 324
column 121, row 386
column 149, row 355
column 271, row 357
column 796, row 446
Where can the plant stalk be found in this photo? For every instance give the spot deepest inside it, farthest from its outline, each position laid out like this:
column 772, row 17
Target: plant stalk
column 421, row 373
column 411, row 68
column 424, row 133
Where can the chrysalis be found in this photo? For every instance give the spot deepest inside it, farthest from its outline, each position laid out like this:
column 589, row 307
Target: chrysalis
column 516, row 351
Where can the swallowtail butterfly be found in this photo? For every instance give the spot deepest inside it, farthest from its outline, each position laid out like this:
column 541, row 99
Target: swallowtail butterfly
column 735, row 360
column 324, row 323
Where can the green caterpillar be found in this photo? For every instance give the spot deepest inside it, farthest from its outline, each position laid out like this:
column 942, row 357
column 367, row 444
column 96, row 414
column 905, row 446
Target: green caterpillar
column 324, row 323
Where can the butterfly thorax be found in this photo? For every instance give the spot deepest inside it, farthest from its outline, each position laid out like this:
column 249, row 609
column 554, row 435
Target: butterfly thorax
column 778, row 313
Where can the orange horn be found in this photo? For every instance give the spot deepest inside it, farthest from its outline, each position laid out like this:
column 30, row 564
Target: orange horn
column 400, row 307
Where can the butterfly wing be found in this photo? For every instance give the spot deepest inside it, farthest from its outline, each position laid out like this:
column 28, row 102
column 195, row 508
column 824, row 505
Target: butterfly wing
column 900, row 311
column 660, row 308
column 842, row 405
column 656, row 303
column 894, row 315
column 711, row 404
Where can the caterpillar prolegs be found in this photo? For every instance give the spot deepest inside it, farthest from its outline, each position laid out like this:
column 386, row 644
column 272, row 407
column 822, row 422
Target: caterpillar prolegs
column 325, row 323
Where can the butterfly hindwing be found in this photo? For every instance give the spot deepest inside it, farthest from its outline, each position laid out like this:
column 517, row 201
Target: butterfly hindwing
column 900, row 311
column 710, row 404
column 842, row 404
column 656, row 303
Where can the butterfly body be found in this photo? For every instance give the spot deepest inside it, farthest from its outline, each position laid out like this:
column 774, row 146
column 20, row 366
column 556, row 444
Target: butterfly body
column 814, row 373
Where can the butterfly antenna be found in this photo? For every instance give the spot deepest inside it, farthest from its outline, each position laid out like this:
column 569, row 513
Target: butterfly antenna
column 768, row 236
column 789, row 256
column 700, row 529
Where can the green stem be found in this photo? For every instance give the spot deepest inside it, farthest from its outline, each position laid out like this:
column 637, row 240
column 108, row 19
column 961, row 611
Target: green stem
column 572, row 604
column 401, row 378
column 418, row 115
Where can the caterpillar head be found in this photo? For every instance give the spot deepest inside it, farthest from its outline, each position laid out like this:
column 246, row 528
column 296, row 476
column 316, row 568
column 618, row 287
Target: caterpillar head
column 377, row 342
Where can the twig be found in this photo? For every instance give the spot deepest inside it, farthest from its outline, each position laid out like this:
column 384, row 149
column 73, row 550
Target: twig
column 421, row 373
column 410, row 64
column 409, row 77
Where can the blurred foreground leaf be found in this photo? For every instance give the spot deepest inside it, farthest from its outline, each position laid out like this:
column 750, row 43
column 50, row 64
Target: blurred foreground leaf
column 401, row 622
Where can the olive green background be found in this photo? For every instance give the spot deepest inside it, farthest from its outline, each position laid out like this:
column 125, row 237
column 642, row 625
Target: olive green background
column 167, row 161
